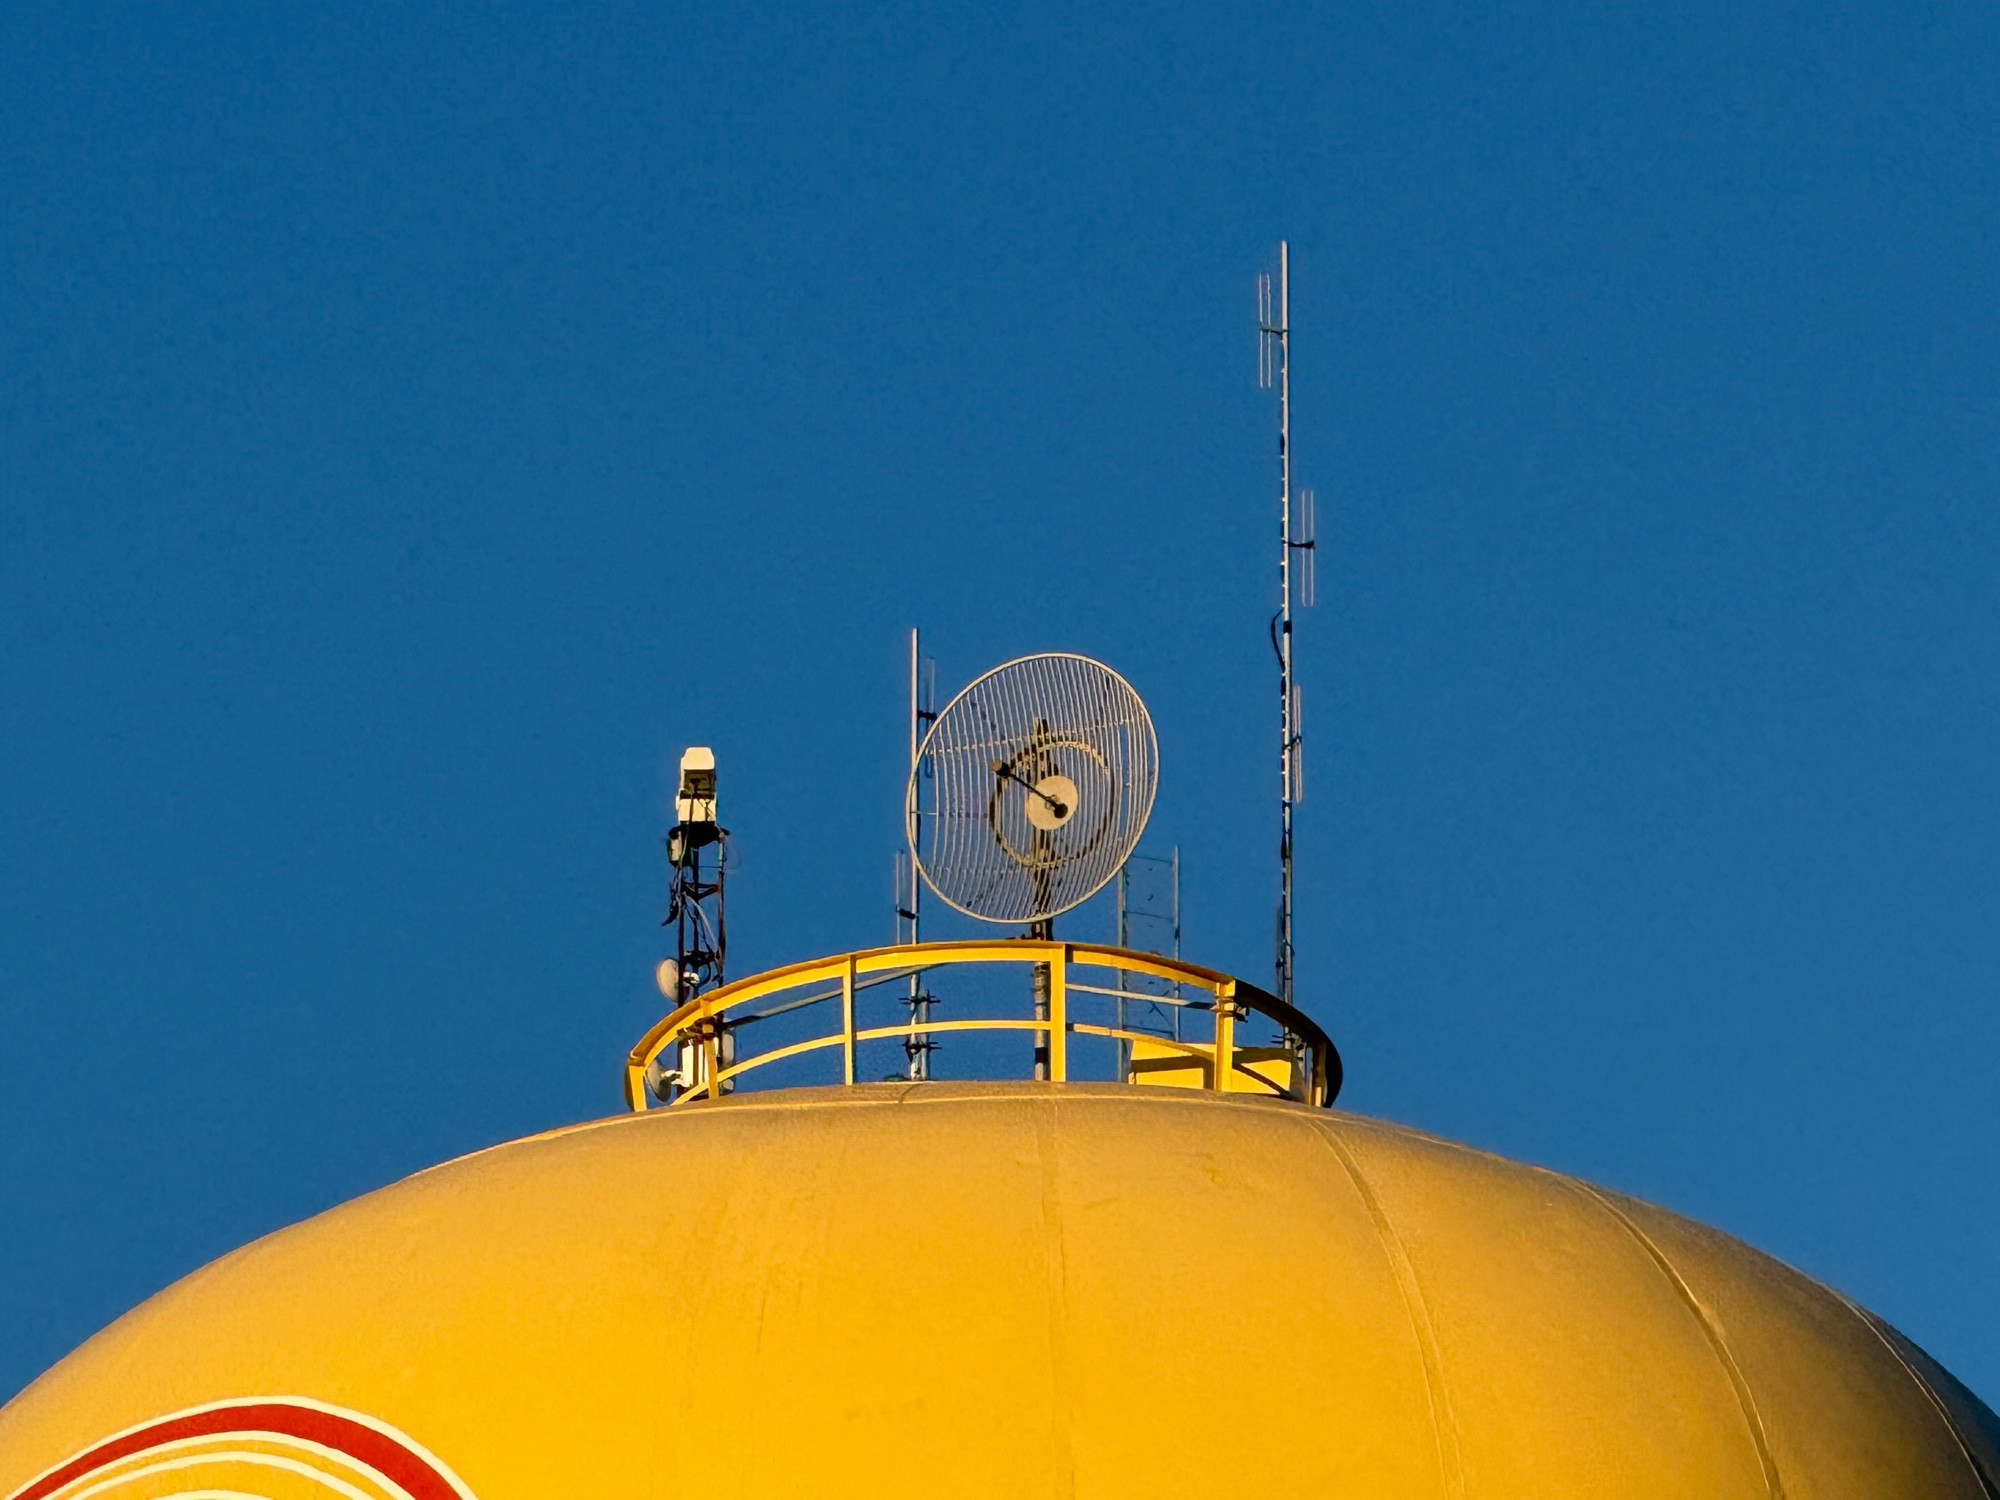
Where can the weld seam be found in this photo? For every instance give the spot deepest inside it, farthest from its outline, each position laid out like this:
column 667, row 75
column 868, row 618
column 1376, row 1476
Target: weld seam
column 1746, row 1401
column 1444, row 1423
column 1923, row 1385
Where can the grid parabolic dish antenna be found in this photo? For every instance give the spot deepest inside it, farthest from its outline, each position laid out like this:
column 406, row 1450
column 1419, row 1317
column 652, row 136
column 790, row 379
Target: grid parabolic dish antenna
column 1045, row 770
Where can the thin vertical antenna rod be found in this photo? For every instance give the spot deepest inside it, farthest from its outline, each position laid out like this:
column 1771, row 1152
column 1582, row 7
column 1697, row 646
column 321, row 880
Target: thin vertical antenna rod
column 918, row 1045
column 1276, row 344
column 916, row 885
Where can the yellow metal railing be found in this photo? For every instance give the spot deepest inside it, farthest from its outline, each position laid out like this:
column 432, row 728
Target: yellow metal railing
column 1304, row 1066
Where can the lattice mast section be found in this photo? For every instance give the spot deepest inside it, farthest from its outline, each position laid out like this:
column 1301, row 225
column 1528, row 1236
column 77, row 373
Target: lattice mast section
column 695, row 878
column 695, row 870
column 919, row 1045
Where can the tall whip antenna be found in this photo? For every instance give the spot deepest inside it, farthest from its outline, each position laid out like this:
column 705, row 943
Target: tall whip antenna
column 1274, row 366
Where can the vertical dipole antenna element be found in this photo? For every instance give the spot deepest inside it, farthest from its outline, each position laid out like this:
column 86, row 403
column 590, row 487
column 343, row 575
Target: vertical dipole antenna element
column 1274, row 366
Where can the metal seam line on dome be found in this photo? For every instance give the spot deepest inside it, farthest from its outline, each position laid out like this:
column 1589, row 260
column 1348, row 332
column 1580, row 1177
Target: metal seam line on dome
column 1930, row 1396
column 1444, row 1423
column 1056, row 1269
column 1745, row 1399
column 1927, row 1371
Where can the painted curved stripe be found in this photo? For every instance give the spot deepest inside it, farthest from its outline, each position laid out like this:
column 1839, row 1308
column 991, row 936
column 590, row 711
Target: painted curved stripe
column 183, row 1452
column 364, row 1440
column 326, row 1481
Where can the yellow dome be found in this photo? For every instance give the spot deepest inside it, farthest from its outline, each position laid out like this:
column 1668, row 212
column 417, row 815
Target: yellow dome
column 994, row 1290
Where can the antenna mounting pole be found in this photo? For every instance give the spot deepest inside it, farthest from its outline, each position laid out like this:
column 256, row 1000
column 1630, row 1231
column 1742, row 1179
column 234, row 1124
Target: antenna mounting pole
column 695, row 912
column 917, row 1046
column 1274, row 328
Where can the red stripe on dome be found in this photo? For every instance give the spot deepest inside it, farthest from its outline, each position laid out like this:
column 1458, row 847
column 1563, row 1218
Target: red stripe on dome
column 357, row 1440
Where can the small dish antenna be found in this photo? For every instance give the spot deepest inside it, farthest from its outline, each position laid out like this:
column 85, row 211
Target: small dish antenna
column 1044, row 771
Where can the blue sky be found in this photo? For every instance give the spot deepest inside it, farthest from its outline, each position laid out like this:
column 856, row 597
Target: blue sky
column 416, row 426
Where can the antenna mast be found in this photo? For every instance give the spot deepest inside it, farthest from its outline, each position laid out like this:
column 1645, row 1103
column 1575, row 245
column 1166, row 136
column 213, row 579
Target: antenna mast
column 694, row 911
column 694, row 894
column 1274, row 345
column 917, row 1046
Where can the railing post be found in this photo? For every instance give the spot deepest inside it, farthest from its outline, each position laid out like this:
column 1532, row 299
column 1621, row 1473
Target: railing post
column 1059, row 1017
column 711, row 1060
column 635, row 1089
column 847, row 1021
column 1225, row 1034
column 1038, row 992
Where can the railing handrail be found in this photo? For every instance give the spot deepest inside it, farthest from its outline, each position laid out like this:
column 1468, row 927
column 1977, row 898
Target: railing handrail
column 700, row 1020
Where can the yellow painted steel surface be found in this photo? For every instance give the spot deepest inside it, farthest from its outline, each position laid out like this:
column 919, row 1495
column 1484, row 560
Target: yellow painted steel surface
column 997, row 1290
column 1158, row 1063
